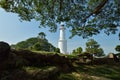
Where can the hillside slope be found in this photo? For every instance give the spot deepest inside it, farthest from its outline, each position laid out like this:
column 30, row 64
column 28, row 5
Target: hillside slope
column 27, row 65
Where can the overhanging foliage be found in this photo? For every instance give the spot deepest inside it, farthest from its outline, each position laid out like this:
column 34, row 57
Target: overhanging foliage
column 84, row 17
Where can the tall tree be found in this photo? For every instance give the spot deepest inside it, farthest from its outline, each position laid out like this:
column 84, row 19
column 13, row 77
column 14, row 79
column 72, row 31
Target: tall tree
column 85, row 17
column 94, row 48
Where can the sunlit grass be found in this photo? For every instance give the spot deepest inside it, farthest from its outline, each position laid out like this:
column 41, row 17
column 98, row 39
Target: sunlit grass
column 43, row 52
column 105, row 71
column 67, row 77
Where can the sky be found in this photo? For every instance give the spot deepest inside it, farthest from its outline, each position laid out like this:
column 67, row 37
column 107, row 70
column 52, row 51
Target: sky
column 12, row 31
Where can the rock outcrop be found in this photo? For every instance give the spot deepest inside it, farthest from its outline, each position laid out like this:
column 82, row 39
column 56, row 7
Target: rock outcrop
column 4, row 50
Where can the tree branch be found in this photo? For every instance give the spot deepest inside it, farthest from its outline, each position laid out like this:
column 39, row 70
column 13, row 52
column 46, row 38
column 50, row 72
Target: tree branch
column 61, row 2
column 96, row 11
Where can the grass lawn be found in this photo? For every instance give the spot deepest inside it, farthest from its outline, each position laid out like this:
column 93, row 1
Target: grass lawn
column 94, row 72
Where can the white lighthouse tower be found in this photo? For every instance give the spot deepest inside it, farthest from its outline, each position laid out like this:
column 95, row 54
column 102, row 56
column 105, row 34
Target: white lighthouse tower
column 62, row 44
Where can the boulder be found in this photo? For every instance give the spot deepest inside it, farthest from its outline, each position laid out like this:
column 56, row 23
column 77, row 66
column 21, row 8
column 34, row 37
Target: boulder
column 4, row 50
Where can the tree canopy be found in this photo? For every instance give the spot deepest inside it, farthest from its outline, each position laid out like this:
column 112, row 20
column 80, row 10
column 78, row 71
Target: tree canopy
column 83, row 17
column 35, row 43
column 77, row 50
column 93, row 47
column 117, row 48
column 42, row 35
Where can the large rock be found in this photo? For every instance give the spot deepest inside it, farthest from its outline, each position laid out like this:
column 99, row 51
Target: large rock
column 4, row 50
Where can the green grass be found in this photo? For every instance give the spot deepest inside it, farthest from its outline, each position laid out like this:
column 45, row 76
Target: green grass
column 43, row 52
column 80, row 71
column 93, row 72
column 89, row 72
column 67, row 77
column 111, row 72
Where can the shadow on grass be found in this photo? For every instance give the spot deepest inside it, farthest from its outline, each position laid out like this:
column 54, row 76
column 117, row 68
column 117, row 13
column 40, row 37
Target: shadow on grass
column 107, row 71
column 30, row 73
column 27, row 65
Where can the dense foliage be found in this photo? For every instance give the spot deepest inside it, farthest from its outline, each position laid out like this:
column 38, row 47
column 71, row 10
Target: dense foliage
column 77, row 51
column 117, row 48
column 35, row 44
column 42, row 35
column 84, row 17
column 94, row 48
column 57, row 50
